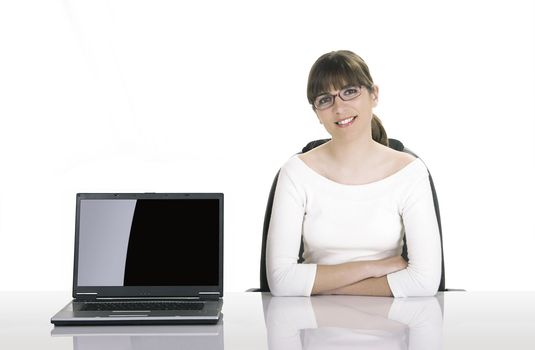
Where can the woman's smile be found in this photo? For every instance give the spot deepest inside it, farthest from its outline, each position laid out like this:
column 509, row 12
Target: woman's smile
column 344, row 123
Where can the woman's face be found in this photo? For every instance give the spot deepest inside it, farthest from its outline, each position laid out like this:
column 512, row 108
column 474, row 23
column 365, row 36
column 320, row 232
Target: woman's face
column 349, row 118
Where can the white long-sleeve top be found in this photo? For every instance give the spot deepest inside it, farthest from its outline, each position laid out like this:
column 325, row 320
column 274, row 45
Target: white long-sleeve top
column 342, row 223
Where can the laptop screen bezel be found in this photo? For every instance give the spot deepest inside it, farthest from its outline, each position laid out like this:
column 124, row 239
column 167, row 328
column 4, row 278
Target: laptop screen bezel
column 93, row 292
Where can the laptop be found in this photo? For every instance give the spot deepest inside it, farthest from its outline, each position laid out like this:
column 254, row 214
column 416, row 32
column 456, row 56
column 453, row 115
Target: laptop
column 146, row 258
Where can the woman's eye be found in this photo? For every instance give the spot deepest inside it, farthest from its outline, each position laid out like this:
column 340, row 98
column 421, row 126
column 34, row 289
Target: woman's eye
column 324, row 100
column 351, row 91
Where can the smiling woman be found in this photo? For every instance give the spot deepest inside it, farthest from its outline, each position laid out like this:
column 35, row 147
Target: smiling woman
column 346, row 71
column 352, row 200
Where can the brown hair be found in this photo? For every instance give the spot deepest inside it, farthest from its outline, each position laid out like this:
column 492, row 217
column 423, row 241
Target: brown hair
column 336, row 70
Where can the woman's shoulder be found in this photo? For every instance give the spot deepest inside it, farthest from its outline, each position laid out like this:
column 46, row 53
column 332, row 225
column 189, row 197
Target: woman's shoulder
column 302, row 169
column 413, row 175
column 408, row 167
column 293, row 165
column 315, row 159
column 395, row 161
column 401, row 174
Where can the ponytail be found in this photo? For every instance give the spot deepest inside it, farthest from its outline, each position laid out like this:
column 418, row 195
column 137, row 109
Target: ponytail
column 378, row 131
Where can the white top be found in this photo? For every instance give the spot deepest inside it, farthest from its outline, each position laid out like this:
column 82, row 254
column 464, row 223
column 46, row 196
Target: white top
column 341, row 223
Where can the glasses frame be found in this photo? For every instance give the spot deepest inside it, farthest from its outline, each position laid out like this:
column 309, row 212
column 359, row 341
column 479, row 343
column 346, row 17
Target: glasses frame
column 339, row 94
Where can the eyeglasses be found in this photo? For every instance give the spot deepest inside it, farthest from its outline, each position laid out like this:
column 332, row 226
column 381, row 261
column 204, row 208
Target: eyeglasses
column 325, row 101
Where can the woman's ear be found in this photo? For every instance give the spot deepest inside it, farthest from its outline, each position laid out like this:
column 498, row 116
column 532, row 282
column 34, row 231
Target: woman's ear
column 375, row 95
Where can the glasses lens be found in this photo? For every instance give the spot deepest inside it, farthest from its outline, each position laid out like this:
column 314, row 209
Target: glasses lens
column 349, row 93
column 323, row 101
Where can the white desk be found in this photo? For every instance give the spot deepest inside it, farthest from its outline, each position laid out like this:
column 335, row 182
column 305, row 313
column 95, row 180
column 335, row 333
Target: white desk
column 455, row 320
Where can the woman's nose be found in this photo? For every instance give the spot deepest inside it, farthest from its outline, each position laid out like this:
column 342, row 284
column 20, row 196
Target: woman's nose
column 338, row 103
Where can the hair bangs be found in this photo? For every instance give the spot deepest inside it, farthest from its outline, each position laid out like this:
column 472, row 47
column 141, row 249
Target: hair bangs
column 336, row 70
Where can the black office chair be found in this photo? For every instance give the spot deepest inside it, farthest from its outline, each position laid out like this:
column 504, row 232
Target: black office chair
column 392, row 143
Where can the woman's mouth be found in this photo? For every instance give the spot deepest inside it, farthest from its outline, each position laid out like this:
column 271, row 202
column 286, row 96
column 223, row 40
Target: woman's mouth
column 344, row 123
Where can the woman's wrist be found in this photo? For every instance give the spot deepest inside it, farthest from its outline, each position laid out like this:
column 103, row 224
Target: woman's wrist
column 382, row 267
column 378, row 268
column 370, row 268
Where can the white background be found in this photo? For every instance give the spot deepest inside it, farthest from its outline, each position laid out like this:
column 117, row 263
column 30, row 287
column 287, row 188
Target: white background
column 185, row 96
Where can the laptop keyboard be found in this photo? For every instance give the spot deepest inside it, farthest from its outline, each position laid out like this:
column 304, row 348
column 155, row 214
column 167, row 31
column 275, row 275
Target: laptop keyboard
column 142, row 306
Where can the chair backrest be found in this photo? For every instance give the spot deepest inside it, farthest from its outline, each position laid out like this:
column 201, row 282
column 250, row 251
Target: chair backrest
column 392, row 143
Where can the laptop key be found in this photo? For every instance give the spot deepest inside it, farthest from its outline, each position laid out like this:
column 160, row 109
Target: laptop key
column 141, row 306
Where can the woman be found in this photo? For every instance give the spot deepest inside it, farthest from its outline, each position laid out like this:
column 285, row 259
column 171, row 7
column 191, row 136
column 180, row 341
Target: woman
column 352, row 200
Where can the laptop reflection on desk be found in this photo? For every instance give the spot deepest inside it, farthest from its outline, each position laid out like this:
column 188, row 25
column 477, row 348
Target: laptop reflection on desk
column 143, row 337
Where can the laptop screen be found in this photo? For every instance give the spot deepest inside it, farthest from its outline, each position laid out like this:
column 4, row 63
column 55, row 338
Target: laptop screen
column 145, row 240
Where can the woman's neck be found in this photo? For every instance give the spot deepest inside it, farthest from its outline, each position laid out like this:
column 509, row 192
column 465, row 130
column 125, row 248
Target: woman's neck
column 355, row 151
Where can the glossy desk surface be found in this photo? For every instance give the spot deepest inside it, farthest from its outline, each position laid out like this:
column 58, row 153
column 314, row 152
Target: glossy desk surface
column 452, row 320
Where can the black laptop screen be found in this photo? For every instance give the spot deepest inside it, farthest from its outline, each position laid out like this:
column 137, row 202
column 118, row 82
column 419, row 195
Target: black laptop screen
column 148, row 242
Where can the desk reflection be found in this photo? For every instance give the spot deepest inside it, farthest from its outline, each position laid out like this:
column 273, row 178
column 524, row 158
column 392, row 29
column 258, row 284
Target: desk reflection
column 144, row 337
column 349, row 322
